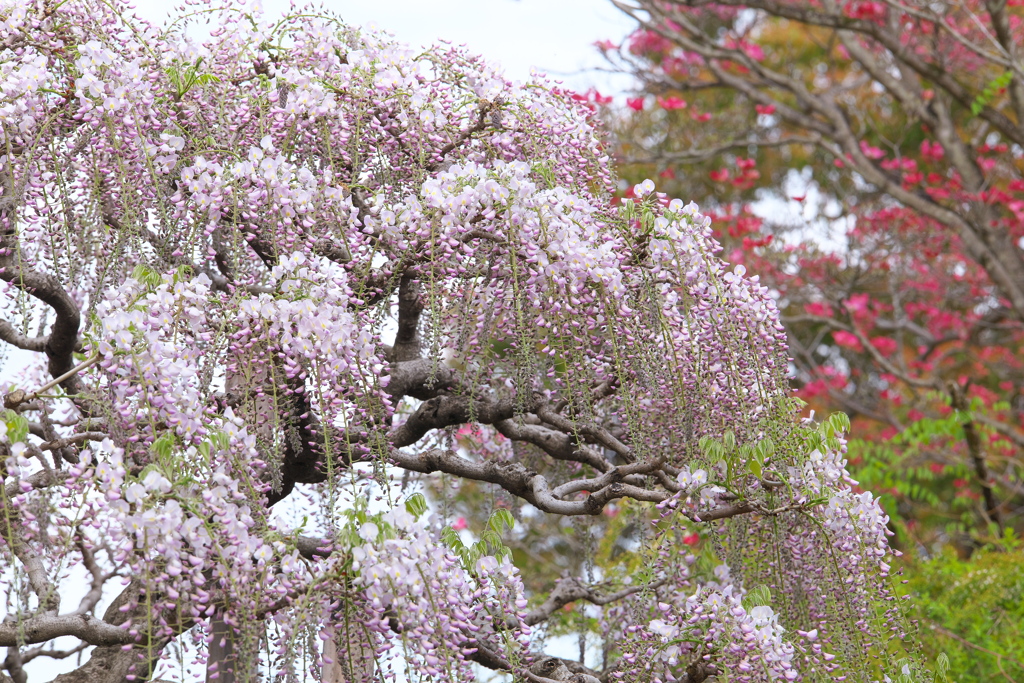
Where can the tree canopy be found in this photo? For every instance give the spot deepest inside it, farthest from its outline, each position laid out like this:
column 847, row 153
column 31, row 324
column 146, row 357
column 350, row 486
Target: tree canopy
column 263, row 276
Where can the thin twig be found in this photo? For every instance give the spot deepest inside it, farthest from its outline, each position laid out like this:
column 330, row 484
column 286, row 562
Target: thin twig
column 18, row 396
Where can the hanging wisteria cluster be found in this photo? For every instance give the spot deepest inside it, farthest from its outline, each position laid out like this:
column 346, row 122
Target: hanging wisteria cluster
column 254, row 262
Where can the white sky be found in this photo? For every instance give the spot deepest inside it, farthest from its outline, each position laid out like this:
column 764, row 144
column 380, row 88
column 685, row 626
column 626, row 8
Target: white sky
column 554, row 36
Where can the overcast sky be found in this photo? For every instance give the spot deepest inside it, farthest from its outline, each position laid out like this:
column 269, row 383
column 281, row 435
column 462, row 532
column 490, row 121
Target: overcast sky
column 553, row 36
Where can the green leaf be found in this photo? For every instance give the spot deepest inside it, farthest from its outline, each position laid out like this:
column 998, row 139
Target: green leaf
column 184, row 273
column 755, row 468
column 942, row 665
column 220, row 440
column 758, row 596
column 17, row 426
column 840, row 422
column 815, row 441
column 729, row 439
column 163, row 445
column 451, row 538
column 416, row 505
column 711, row 449
column 146, row 275
column 991, row 90
column 797, row 403
column 476, row 551
column 544, row 170
column 500, row 520
column 491, row 538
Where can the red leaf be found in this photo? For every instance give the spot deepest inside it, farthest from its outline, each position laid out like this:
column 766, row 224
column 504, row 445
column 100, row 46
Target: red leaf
column 847, row 340
column 671, row 103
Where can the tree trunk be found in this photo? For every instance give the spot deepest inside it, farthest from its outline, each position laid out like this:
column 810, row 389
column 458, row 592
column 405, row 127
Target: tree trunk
column 352, row 656
column 112, row 664
column 229, row 661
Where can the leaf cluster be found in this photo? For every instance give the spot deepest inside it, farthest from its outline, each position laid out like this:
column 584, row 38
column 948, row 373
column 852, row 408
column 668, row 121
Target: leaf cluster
column 490, row 542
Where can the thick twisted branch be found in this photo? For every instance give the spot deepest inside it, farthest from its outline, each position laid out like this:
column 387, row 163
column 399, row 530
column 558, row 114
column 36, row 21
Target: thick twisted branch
column 557, row 444
column 596, row 432
column 519, row 481
column 62, row 341
column 45, row 627
column 422, row 379
column 21, row 341
column 445, row 411
column 570, row 590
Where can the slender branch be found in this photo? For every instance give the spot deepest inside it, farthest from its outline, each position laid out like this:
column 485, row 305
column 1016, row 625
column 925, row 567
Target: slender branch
column 10, row 530
column 39, row 480
column 464, row 136
column 51, row 653
column 18, row 396
column 720, row 513
column 556, row 444
column 58, row 444
column 615, row 474
column 976, row 449
column 705, row 153
column 519, row 481
column 485, row 656
column 99, row 579
column 1009, row 431
column 570, row 590
column 954, row 636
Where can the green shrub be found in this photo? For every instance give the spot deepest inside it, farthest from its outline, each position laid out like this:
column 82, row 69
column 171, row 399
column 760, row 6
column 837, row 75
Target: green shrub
column 973, row 611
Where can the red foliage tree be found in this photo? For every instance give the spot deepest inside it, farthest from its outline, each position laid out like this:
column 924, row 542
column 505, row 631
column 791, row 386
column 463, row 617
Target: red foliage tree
column 909, row 119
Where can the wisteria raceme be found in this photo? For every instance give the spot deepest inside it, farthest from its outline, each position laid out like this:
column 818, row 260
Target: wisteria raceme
column 408, row 575
column 290, row 280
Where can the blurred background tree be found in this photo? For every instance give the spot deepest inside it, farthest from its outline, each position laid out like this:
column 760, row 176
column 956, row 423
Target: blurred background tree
column 865, row 159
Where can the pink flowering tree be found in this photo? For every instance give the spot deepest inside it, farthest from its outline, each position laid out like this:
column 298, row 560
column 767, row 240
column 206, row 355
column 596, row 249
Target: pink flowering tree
column 254, row 280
